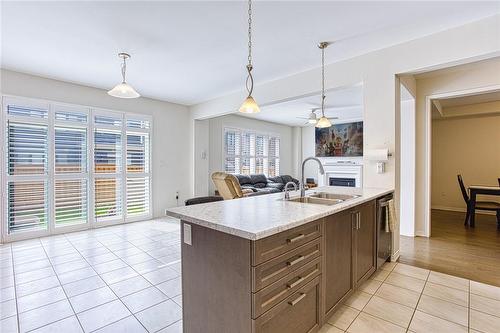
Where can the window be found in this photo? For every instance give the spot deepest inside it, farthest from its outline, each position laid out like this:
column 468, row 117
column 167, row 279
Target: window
column 68, row 165
column 247, row 152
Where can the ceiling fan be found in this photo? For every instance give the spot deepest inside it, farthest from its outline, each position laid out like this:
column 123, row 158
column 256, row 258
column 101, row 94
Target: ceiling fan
column 313, row 118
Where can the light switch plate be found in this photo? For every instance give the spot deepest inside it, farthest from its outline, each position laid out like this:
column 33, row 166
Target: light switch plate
column 187, row 234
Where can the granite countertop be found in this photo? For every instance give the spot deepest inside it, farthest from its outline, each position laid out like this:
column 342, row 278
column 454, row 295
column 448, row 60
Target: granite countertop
column 262, row 216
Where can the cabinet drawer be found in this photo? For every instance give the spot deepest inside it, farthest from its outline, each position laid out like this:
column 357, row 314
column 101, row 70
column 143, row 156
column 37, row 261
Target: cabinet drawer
column 299, row 313
column 272, row 246
column 274, row 269
column 268, row 297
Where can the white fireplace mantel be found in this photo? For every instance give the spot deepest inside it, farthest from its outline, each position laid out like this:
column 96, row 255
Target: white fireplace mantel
column 341, row 169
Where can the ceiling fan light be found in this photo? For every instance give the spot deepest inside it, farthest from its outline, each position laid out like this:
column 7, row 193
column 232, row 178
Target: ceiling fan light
column 323, row 122
column 123, row 90
column 249, row 106
column 312, row 120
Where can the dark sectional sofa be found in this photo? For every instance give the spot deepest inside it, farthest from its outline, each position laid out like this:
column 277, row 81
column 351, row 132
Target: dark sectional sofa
column 263, row 185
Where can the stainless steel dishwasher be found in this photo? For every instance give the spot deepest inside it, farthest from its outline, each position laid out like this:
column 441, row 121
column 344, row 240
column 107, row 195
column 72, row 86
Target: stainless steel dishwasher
column 384, row 235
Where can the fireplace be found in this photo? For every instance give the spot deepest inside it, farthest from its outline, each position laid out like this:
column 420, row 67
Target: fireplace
column 347, row 182
column 342, row 173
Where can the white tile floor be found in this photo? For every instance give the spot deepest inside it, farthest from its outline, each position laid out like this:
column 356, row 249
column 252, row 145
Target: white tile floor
column 127, row 279
column 117, row 279
column 402, row 298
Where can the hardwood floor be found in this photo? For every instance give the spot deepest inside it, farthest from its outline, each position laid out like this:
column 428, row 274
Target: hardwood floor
column 454, row 249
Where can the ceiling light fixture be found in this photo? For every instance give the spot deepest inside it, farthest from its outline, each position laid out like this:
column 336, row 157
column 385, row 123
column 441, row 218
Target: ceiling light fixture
column 323, row 122
column 249, row 105
column 124, row 90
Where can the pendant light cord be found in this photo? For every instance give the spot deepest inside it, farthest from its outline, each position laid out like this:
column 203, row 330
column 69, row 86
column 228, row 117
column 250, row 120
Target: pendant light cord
column 323, row 81
column 124, row 68
column 249, row 82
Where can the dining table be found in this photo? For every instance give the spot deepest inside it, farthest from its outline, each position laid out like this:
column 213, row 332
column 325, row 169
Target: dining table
column 474, row 190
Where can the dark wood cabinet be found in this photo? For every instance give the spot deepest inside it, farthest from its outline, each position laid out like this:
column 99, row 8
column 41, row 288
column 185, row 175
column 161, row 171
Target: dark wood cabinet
column 364, row 258
column 290, row 282
column 337, row 271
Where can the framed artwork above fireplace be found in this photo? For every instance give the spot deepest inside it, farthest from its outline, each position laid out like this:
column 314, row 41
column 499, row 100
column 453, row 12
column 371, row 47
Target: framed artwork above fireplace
column 341, row 140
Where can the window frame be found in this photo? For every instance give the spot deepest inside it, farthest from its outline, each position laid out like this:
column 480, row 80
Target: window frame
column 50, row 176
column 266, row 157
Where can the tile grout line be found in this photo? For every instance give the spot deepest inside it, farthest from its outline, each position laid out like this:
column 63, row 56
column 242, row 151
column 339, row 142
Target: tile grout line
column 119, row 298
column 153, row 285
column 418, row 301
column 468, row 309
column 67, row 298
column 360, row 311
column 107, row 285
column 15, row 288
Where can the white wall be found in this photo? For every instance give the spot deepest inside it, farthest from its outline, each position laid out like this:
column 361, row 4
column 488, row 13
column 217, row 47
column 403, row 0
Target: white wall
column 171, row 138
column 377, row 70
column 467, row 146
column 201, row 157
column 444, row 82
column 407, row 153
column 216, row 128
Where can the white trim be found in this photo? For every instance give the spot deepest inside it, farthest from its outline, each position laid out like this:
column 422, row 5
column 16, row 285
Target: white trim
column 395, row 256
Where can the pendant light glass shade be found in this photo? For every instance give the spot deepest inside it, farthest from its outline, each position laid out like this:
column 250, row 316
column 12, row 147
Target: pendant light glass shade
column 123, row 90
column 249, row 106
column 323, row 122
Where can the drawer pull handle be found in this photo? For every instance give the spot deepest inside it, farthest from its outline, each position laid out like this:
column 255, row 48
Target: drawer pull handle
column 296, row 261
column 294, row 239
column 297, row 300
column 296, row 283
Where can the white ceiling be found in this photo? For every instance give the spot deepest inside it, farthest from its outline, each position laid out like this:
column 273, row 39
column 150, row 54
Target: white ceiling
column 188, row 52
column 346, row 104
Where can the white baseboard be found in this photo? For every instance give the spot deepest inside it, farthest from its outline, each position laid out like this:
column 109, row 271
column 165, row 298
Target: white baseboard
column 395, row 256
column 462, row 210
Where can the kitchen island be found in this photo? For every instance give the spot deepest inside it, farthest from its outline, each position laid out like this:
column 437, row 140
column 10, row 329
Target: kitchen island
column 264, row 264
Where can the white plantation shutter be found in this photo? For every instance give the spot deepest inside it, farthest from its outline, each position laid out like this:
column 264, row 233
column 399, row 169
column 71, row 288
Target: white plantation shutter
column 71, row 201
column 107, row 199
column 27, row 149
column 70, row 150
column 26, row 165
column 274, row 156
column 232, row 149
column 247, row 152
column 107, row 151
column 108, row 170
column 138, row 173
column 137, row 195
column 70, row 166
column 27, row 205
column 64, row 164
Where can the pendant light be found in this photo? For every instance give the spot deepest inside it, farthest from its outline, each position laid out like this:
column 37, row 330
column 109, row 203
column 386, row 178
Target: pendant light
column 249, row 105
column 124, row 90
column 323, row 122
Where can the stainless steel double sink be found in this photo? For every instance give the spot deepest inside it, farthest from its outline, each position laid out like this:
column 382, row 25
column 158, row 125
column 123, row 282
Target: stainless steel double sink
column 324, row 198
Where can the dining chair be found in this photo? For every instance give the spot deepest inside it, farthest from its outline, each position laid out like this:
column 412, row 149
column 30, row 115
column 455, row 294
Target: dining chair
column 480, row 205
